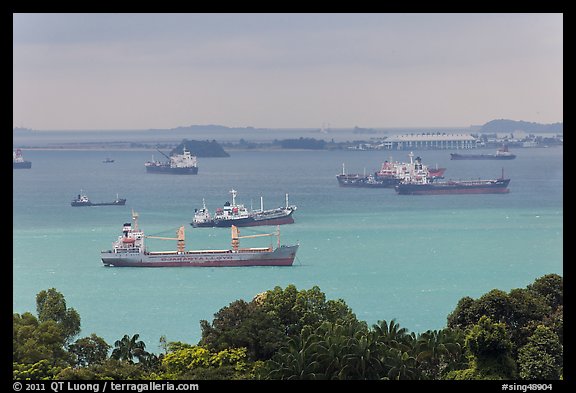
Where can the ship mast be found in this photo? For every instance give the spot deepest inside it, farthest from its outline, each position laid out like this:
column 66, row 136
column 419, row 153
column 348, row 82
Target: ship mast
column 135, row 219
column 233, row 192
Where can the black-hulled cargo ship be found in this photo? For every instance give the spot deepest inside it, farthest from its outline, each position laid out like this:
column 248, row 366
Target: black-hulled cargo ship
column 480, row 186
column 178, row 164
column 83, row 200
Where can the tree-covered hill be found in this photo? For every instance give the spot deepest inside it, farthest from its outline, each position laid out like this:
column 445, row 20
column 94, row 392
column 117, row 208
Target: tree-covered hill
column 504, row 125
column 287, row 334
column 201, row 148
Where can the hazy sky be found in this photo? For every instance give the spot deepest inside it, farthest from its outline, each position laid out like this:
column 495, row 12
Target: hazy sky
column 139, row 71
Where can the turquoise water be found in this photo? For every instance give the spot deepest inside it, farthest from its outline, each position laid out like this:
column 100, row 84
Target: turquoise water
column 388, row 256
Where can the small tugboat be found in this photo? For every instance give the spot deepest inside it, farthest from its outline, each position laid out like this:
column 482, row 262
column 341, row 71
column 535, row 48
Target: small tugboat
column 178, row 164
column 240, row 216
column 129, row 251
column 18, row 161
column 83, row 200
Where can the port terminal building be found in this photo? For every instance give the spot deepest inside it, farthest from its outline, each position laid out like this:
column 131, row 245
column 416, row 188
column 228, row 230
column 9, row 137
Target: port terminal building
column 431, row 141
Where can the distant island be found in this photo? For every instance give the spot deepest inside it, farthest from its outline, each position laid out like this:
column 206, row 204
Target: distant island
column 510, row 126
column 207, row 127
column 211, row 140
column 201, row 148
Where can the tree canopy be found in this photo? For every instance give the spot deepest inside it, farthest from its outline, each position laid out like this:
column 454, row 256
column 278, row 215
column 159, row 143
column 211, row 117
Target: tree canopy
column 287, row 333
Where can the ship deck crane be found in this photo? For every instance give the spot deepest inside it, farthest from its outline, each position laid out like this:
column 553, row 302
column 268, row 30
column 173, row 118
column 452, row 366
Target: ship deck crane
column 180, row 245
column 236, row 236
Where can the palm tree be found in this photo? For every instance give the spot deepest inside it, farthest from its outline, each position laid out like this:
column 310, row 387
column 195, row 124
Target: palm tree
column 392, row 335
column 128, row 348
column 296, row 360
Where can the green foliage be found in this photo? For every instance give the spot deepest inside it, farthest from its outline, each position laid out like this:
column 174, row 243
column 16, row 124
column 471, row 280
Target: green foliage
column 491, row 352
column 110, row 369
column 297, row 309
column 298, row 334
column 303, row 143
column 41, row 370
column 521, row 310
column 51, row 306
column 33, row 341
column 263, row 325
column 551, row 288
column 129, row 348
column 541, row 358
column 89, row 350
column 200, row 363
column 201, row 148
column 45, row 337
column 472, row 374
column 243, row 324
column 351, row 351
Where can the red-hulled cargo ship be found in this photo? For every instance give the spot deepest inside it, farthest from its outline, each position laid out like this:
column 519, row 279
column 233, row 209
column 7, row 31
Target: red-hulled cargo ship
column 129, row 251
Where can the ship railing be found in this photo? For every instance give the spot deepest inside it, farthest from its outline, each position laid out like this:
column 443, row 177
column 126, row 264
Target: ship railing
column 255, row 249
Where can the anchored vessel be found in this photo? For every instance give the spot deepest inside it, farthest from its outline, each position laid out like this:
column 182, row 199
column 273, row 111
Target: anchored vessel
column 178, row 164
column 240, row 216
column 18, row 161
column 390, row 174
column 129, row 251
column 83, row 200
column 501, row 154
column 480, row 186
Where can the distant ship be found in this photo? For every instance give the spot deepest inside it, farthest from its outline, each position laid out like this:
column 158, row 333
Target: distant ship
column 129, row 251
column 501, row 154
column 240, row 216
column 390, row 174
column 108, row 160
column 480, row 186
column 18, row 161
column 178, row 164
column 83, row 200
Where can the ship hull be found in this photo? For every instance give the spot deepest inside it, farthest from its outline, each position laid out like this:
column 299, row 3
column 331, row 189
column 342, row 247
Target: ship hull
column 246, row 222
column 22, row 165
column 363, row 182
column 172, row 171
column 454, row 156
column 489, row 187
column 282, row 256
column 120, row 202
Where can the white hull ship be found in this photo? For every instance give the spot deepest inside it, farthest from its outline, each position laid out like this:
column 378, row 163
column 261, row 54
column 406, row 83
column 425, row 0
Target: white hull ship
column 129, row 251
column 240, row 216
column 18, row 161
column 178, row 164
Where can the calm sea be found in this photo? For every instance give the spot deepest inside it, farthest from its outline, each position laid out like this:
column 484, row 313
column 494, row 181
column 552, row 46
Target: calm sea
column 387, row 256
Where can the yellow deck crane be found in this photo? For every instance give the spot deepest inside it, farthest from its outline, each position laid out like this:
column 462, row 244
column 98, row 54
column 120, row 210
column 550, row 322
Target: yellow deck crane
column 236, row 236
